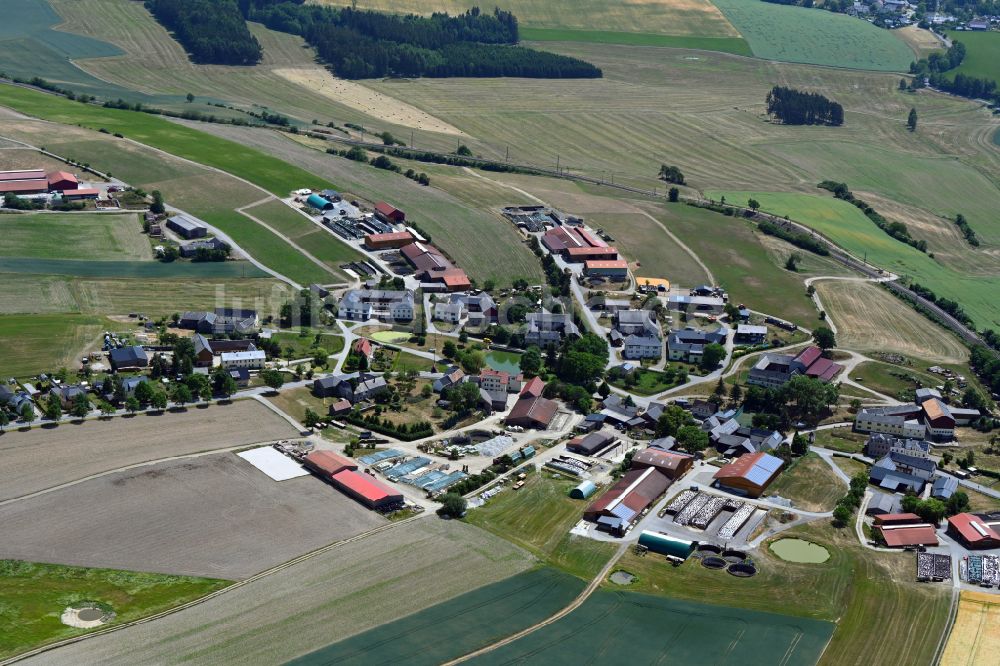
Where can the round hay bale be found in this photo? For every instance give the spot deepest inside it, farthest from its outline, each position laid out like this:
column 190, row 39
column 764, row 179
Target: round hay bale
column 742, row 570
column 713, row 562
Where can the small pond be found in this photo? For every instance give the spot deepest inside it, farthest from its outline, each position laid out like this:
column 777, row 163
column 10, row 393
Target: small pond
column 502, row 361
column 800, row 550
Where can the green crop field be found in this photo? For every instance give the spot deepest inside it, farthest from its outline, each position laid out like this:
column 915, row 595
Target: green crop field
column 538, row 518
column 849, row 228
column 129, row 269
column 457, row 626
column 33, row 596
column 27, row 29
column 813, row 36
column 982, row 54
column 96, row 236
column 640, row 629
column 734, row 45
column 660, row 17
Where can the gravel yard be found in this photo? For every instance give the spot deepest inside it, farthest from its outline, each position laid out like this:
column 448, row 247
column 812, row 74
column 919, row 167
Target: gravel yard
column 326, row 598
column 215, row 516
column 47, row 457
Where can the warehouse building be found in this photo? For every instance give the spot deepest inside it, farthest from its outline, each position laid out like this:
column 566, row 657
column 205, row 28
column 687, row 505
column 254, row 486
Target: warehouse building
column 128, row 358
column 903, row 530
column 657, row 542
column 389, row 214
column 532, row 412
column 369, row 491
column 36, row 181
column 750, row 474
column 974, row 531
column 389, row 241
column 583, row 491
column 621, row 506
column 616, row 269
column 673, row 465
column 325, row 464
column 592, row 444
column 185, row 227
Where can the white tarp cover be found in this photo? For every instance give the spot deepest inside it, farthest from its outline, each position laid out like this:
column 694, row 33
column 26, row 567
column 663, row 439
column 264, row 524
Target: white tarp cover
column 272, row 462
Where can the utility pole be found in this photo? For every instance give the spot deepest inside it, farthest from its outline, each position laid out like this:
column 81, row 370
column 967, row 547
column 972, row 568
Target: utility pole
column 411, row 137
column 506, row 157
column 557, row 163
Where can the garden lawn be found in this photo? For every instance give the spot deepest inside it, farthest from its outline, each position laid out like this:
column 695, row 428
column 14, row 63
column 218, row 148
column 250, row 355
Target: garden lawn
column 302, row 345
column 33, row 596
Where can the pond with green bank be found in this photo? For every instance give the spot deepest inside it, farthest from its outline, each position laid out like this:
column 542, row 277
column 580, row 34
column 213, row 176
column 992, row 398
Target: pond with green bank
column 800, row 550
column 502, row 361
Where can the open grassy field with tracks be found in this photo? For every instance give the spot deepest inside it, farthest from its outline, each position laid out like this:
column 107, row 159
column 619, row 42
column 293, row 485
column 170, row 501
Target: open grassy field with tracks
column 849, row 228
column 660, row 17
column 30, row 343
column 34, row 595
column 869, row 318
column 810, row 484
column 518, row 516
column 796, row 34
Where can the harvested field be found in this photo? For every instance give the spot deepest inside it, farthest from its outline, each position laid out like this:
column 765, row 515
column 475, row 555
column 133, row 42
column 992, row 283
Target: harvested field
column 337, row 594
column 975, row 638
column 75, row 451
column 30, row 343
column 870, row 319
column 641, row 629
column 668, row 17
column 458, row 626
column 14, row 156
column 365, row 100
column 214, row 516
column 75, row 236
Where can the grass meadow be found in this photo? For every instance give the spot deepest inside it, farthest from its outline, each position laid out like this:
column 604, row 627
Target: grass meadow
column 96, row 236
column 982, row 54
column 848, row 227
column 33, row 596
column 815, row 37
column 810, row 484
column 517, row 515
column 33, row 343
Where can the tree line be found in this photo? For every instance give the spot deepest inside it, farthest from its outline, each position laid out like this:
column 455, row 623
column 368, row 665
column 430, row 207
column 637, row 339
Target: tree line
column 212, row 31
column 794, row 107
column 360, row 44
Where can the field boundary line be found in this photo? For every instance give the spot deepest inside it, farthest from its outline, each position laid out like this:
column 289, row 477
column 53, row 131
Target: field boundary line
column 236, row 585
column 243, row 211
column 573, row 605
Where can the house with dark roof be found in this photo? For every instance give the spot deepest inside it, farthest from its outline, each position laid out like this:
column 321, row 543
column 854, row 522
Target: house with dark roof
column 532, row 412
column 548, row 328
column 452, row 376
column 592, row 444
column 883, row 503
column 775, row 370
column 638, row 347
column 222, row 321
column 900, row 473
column 335, row 386
column 748, row 334
column 205, row 350
column 943, row 487
column 688, row 344
column 732, row 439
column 128, row 358
column 68, row 394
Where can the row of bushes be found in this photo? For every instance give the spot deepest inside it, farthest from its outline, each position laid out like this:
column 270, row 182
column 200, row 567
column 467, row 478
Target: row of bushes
column 897, row 230
column 404, row 432
column 796, row 238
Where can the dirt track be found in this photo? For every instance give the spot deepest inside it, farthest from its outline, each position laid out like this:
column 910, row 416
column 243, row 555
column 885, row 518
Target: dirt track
column 43, row 458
